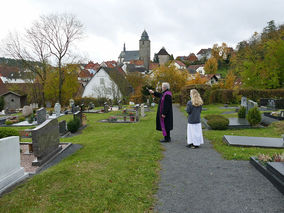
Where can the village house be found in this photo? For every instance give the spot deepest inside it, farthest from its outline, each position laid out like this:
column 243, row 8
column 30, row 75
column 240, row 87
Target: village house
column 109, row 83
column 163, row 56
column 204, row 54
column 178, row 64
column 193, row 69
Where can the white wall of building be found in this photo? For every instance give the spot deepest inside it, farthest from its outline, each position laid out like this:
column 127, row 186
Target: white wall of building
column 101, row 85
column 200, row 70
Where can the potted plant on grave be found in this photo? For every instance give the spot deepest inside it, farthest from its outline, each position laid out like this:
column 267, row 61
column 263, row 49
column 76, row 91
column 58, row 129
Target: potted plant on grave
column 113, row 119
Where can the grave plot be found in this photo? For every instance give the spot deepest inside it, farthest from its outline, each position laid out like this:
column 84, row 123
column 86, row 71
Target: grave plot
column 273, row 171
column 275, row 115
column 263, row 142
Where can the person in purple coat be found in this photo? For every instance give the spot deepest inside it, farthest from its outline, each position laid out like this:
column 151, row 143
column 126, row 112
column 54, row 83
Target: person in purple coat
column 164, row 118
column 194, row 128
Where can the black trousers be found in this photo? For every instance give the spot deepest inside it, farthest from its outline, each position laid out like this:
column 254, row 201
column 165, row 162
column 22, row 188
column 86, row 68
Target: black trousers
column 168, row 137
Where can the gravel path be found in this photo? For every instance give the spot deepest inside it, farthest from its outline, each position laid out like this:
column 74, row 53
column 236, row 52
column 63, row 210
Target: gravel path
column 199, row 180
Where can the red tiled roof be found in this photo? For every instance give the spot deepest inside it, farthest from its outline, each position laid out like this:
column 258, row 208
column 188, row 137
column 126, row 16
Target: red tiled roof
column 110, row 64
column 3, row 88
column 195, row 67
column 85, row 74
column 180, row 63
column 192, row 57
column 93, row 66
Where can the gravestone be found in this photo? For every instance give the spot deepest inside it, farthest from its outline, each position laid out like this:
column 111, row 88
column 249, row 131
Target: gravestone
column 148, row 102
column 45, row 140
column 11, row 171
column 142, row 110
column 282, row 114
column 62, row 127
column 27, row 110
column 71, row 102
column 57, row 109
column 279, row 104
column 78, row 115
column 91, row 105
column 254, row 141
column 244, row 102
column 106, row 107
column 251, row 104
column 48, row 104
column 73, row 109
column 137, row 112
column 41, row 115
column 119, row 104
column 271, row 103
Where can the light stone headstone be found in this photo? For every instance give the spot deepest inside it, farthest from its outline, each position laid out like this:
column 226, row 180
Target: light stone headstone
column 41, row 115
column 71, row 102
column 11, row 171
column 282, row 114
column 142, row 110
column 27, row 110
column 106, row 107
column 62, row 127
column 251, row 104
column 244, row 102
column 271, row 103
column 57, row 109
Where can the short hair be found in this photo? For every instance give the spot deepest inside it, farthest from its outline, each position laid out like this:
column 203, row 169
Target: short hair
column 166, row 84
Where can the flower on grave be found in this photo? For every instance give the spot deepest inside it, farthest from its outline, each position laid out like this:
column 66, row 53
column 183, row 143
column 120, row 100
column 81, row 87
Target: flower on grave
column 264, row 158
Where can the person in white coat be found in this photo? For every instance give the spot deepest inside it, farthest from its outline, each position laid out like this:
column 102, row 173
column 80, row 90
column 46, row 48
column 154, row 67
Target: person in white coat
column 194, row 128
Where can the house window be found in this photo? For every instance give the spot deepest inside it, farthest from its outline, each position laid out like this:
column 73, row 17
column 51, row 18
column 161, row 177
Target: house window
column 102, row 81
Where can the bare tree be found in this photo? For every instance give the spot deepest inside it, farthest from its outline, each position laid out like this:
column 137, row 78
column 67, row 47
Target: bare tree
column 59, row 32
column 32, row 51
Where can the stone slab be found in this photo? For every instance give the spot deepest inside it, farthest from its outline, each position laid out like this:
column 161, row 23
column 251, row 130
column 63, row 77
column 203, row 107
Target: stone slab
column 277, row 168
column 235, row 122
column 264, row 142
column 268, row 174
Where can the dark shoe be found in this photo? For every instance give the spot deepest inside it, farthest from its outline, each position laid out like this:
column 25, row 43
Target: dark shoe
column 188, row 145
column 164, row 141
column 194, row 147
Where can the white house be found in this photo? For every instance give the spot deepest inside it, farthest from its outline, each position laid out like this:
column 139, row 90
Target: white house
column 179, row 65
column 201, row 70
column 107, row 82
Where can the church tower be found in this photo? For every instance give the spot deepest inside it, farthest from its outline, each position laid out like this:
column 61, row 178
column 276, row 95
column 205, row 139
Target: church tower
column 144, row 49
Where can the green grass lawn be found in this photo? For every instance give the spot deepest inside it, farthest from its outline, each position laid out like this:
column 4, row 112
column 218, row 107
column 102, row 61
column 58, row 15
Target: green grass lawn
column 239, row 153
column 116, row 171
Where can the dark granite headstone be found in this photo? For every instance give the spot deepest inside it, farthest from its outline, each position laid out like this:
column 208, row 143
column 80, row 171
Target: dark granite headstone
column 45, row 140
column 263, row 101
column 78, row 115
column 62, row 127
column 41, row 115
column 238, row 122
column 277, row 168
column 254, row 141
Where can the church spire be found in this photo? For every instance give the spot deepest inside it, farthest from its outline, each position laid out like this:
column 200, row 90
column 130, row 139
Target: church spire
column 124, row 49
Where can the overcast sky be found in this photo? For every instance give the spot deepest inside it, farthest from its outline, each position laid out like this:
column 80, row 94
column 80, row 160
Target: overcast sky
column 181, row 26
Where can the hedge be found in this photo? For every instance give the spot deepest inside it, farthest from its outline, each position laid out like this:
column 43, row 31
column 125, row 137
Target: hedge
column 228, row 96
column 6, row 132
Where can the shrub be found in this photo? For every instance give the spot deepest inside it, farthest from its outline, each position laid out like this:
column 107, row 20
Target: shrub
column 242, row 112
column 254, row 116
column 87, row 101
column 217, row 122
column 73, row 125
column 8, row 122
column 22, row 118
column 6, row 132
column 209, row 117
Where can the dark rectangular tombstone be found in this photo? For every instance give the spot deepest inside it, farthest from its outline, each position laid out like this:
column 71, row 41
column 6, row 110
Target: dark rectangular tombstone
column 79, row 115
column 277, row 168
column 254, row 141
column 62, row 127
column 45, row 140
column 279, row 104
column 238, row 123
column 263, row 101
column 41, row 115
